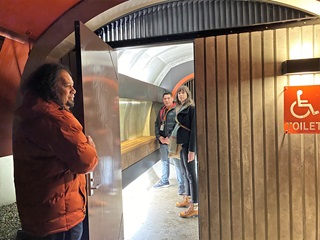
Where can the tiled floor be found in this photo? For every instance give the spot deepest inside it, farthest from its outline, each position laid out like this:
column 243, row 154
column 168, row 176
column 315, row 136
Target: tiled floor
column 150, row 214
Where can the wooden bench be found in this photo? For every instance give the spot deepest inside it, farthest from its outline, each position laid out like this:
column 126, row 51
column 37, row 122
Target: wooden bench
column 134, row 150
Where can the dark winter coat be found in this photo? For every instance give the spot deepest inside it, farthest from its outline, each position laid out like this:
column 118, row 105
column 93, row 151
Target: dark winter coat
column 51, row 155
column 168, row 124
column 187, row 117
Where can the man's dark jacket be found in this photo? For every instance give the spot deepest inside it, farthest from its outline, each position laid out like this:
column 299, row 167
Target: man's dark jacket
column 169, row 123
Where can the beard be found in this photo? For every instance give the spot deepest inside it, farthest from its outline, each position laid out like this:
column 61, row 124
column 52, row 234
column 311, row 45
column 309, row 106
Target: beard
column 70, row 104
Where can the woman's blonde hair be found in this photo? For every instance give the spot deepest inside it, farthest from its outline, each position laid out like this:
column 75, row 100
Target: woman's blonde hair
column 189, row 100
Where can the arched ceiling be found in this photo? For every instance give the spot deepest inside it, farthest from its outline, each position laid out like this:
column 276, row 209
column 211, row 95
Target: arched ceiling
column 40, row 21
column 152, row 64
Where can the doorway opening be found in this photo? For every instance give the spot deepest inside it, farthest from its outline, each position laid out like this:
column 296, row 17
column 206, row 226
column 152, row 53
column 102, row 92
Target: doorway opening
column 151, row 213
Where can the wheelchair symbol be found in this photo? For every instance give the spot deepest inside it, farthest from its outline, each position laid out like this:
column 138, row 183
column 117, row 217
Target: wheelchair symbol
column 302, row 104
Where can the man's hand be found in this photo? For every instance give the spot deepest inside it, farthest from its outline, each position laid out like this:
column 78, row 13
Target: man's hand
column 166, row 140
column 161, row 139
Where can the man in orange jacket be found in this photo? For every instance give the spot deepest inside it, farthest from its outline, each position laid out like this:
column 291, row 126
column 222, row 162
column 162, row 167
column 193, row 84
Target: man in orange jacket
column 51, row 156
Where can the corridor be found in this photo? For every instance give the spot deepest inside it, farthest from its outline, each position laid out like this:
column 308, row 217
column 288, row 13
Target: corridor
column 151, row 213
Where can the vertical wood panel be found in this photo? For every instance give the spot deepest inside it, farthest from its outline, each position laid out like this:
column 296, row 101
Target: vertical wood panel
column 307, row 41
column 310, row 197
column 246, row 140
column 296, row 163
column 203, row 167
column 270, row 136
column 213, row 160
column 309, row 189
column 317, row 214
column 235, row 167
column 263, row 183
column 316, row 52
column 257, row 135
column 223, row 138
column 316, row 49
column 317, row 145
column 316, row 46
column 282, row 139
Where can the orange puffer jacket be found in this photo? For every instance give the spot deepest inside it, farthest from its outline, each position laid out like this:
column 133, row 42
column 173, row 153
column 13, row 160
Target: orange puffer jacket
column 51, row 155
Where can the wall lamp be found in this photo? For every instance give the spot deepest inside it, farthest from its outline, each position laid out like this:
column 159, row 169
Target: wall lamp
column 301, row 66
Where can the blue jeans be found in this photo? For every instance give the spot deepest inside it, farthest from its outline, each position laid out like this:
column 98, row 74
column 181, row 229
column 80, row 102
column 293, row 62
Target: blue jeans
column 74, row 233
column 166, row 167
column 181, row 176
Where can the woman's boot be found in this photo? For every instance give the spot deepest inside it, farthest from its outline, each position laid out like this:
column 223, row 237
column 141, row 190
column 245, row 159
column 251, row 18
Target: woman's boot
column 185, row 201
column 192, row 211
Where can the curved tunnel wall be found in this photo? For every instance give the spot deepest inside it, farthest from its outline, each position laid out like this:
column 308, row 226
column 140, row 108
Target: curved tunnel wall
column 179, row 17
column 137, row 118
column 139, row 105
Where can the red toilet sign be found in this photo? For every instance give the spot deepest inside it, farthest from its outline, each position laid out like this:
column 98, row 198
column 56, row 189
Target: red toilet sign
column 302, row 109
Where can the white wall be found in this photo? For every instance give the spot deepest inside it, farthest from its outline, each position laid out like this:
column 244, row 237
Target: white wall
column 7, row 192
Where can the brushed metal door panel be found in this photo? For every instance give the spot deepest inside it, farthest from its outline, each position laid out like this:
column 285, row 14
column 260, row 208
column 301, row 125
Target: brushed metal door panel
column 98, row 72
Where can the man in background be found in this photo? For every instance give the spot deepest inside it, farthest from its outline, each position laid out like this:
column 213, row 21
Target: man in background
column 51, row 156
column 164, row 125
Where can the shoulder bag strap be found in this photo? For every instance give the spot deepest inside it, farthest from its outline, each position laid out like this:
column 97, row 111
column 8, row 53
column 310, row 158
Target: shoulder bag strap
column 188, row 129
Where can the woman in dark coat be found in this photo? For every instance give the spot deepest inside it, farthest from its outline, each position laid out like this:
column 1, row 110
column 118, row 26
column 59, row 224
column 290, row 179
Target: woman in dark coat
column 186, row 136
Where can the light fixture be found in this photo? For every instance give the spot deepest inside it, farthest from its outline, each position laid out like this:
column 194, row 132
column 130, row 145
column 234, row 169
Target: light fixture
column 301, row 66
